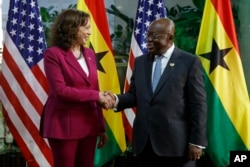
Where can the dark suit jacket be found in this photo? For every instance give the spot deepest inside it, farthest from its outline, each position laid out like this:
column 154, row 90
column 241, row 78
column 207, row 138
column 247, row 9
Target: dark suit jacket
column 71, row 109
column 175, row 114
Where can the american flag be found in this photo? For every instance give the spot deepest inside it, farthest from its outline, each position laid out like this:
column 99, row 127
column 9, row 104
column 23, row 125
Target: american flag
column 23, row 85
column 147, row 11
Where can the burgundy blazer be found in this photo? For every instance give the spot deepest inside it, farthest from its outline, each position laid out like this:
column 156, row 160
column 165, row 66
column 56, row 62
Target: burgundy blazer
column 72, row 109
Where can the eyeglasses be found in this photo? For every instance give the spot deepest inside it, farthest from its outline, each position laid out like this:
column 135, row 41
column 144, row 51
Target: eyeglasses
column 154, row 36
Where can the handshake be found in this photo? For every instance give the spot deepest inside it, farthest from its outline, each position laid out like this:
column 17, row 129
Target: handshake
column 107, row 100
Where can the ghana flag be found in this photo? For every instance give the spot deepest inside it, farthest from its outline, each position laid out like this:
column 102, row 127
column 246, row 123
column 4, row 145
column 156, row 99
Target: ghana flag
column 100, row 42
column 228, row 127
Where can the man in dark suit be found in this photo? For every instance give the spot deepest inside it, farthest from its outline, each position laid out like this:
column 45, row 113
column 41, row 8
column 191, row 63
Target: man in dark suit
column 170, row 124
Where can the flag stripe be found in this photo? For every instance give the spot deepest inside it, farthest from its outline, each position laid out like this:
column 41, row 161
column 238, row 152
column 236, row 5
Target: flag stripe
column 224, row 12
column 101, row 22
column 224, row 131
column 19, row 78
column 23, row 146
column 232, row 78
column 22, row 88
column 22, row 129
column 111, row 151
column 128, row 121
column 21, row 69
column 108, row 78
column 227, row 96
column 23, row 83
column 43, row 86
column 26, row 130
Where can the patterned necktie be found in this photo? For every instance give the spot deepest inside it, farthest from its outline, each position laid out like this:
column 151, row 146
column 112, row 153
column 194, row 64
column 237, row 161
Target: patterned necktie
column 157, row 72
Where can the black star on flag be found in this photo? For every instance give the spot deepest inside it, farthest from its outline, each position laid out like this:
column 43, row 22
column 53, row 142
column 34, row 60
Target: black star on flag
column 216, row 57
column 99, row 57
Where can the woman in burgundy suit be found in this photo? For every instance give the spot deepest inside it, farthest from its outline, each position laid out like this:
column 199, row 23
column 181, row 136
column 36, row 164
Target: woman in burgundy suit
column 72, row 118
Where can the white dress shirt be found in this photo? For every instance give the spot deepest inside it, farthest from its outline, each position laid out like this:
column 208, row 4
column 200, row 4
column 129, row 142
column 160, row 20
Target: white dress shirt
column 83, row 64
column 164, row 60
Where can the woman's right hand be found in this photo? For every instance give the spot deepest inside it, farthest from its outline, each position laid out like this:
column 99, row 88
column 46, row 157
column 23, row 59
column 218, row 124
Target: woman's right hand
column 106, row 100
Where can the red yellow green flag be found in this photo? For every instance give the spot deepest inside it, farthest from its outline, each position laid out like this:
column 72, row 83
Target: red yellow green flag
column 228, row 127
column 100, row 42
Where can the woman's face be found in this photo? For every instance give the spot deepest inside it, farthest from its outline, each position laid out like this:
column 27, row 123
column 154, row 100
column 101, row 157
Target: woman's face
column 84, row 32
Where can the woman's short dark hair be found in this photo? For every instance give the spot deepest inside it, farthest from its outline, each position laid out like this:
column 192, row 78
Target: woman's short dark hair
column 64, row 30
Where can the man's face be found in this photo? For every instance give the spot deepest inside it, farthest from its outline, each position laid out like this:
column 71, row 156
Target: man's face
column 157, row 39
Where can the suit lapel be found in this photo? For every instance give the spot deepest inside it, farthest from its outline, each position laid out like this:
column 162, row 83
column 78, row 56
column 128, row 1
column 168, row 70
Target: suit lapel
column 91, row 63
column 148, row 71
column 70, row 58
column 170, row 67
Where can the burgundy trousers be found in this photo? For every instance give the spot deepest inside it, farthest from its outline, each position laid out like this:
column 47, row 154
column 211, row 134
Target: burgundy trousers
column 73, row 153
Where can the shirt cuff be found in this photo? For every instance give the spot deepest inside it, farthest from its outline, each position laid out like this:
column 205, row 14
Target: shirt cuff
column 202, row 147
column 116, row 102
